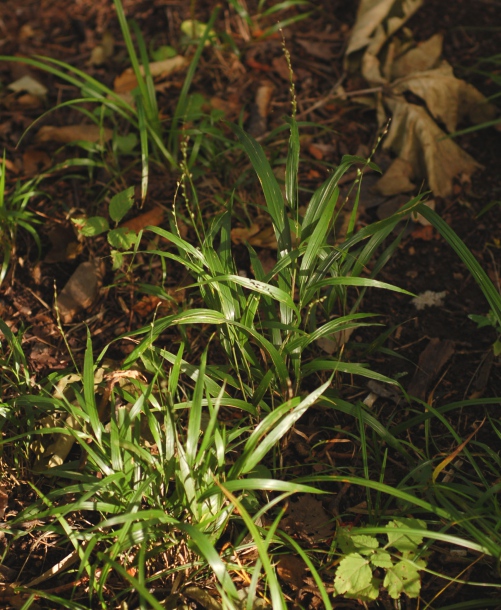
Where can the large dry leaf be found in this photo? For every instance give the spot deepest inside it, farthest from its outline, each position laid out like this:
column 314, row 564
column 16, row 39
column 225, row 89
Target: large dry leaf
column 397, row 178
column 420, row 144
column 425, row 56
column 73, row 133
column 448, row 99
column 377, row 21
column 422, row 148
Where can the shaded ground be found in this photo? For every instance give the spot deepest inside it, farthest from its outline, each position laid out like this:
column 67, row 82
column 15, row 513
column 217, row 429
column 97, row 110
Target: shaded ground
column 69, row 32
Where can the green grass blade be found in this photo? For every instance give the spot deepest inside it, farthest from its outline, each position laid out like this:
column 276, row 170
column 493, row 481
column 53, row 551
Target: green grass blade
column 270, row 186
column 480, row 276
column 195, row 415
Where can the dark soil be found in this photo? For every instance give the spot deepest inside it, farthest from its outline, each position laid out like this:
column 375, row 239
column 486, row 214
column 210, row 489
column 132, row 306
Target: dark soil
column 423, row 262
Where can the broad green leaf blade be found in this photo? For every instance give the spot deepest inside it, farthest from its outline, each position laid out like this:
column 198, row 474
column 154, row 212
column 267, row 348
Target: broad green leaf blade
column 257, row 286
column 121, row 203
column 253, row 453
column 195, row 417
column 317, row 241
column 270, row 186
column 404, row 541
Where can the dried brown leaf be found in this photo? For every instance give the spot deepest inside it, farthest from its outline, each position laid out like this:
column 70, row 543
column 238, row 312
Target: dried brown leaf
column 255, row 235
column 127, row 81
column 152, row 218
column 291, row 570
column 73, row 133
column 449, row 100
column 80, row 291
column 421, row 144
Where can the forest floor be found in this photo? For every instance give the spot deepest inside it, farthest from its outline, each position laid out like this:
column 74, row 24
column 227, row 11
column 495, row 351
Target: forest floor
column 441, row 340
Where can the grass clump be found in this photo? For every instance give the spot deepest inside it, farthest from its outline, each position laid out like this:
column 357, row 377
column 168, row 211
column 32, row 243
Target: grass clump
column 166, row 478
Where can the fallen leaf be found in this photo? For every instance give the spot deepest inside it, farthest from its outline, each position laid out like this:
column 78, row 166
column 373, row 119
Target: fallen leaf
column 80, row 291
column 73, row 133
column 291, row 570
column 425, row 56
column 448, row 99
column 9, row 165
column 255, row 235
column 27, row 101
column 421, row 145
column 35, row 161
column 260, row 108
column 29, row 84
column 308, row 519
column 127, row 81
column 257, row 65
column 281, row 67
column 397, row 178
column 316, row 152
column 231, row 106
column 377, row 20
column 152, row 218
column 322, row 50
column 423, row 149
column 423, row 233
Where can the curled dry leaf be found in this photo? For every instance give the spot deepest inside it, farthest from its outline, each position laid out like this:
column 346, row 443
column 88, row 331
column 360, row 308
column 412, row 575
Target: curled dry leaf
column 377, row 20
column 127, row 81
column 448, row 99
column 259, row 110
column 73, row 133
column 152, row 218
column 255, row 235
column 423, row 150
column 397, row 178
column 80, row 291
column 425, row 56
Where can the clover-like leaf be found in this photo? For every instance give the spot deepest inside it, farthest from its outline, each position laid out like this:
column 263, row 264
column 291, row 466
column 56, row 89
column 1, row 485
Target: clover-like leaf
column 122, row 238
column 381, row 559
column 355, row 544
column 405, row 542
column 354, row 578
column 90, row 227
column 403, row 577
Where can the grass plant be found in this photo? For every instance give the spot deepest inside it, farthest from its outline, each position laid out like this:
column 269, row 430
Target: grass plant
column 156, row 477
